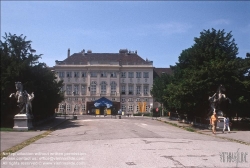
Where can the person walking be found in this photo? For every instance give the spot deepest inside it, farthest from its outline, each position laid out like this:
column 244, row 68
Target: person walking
column 213, row 122
column 226, row 124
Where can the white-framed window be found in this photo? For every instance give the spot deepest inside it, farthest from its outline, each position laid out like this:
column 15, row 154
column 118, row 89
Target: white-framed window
column 113, row 87
column 147, row 108
column 69, row 99
column 145, row 90
column 113, row 74
column 103, row 87
column 130, row 99
column 138, row 99
column 138, row 89
column 113, row 99
column 138, row 74
column 61, row 107
column 93, row 88
column 123, row 74
column 61, row 74
column 123, row 89
column 83, row 89
column 84, row 74
column 123, row 100
column 69, row 89
column 75, row 98
column 68, row 73
column 76, row 74
column 93, row 74
column 137, row 108
column 130, row 108
column 145, row 75
column 103, row 74
column 131, row 89
column 92, row 99
column 145, row 99
column 76, row 89
column 123, row 107
column 83, row 100
column 130, row 74
column 68, row 107
column 83, row 107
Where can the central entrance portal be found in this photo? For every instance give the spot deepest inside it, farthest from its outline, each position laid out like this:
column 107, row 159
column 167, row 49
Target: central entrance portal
column 99, row 106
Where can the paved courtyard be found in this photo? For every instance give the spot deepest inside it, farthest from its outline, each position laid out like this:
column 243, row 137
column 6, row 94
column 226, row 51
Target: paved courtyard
column 128, row 142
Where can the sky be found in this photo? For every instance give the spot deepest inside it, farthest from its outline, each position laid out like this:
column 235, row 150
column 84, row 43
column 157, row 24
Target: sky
column 158, row 30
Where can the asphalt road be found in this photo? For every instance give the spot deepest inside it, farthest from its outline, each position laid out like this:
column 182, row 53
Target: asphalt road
column 128, row 142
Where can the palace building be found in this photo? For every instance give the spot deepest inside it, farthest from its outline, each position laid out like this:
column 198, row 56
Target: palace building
column 91, row 80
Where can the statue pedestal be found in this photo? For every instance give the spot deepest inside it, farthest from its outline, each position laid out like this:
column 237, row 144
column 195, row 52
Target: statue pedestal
column 22, row 122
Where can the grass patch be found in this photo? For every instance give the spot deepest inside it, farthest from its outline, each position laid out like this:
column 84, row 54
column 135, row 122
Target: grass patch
column 190, row 129
column 6, row 129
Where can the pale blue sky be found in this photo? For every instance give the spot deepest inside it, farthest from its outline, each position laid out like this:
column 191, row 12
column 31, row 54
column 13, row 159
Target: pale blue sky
column 158, row 30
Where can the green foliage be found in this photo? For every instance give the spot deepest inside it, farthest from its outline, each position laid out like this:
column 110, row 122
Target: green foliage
column 18, row 63
column 211, row 61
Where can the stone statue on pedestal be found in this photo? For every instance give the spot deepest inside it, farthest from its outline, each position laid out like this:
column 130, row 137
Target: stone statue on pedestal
column 23, row 99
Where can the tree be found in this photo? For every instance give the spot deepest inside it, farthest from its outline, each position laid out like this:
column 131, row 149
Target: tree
column 18, row 63
column 211, row 61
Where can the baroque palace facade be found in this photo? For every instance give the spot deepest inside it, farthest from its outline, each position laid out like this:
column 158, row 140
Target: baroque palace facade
column 123, row 78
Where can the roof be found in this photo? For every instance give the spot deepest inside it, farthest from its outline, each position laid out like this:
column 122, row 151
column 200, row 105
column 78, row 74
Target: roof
column 102, row 58
column 159, row 71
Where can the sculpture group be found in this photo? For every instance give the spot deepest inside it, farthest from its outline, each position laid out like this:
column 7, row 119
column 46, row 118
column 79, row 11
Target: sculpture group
column 23, row 99
column 217, row 99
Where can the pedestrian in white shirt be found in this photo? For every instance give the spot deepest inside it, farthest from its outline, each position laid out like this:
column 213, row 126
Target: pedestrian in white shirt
column 226, row 124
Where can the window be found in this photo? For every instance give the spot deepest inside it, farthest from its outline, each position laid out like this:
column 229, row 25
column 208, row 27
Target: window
column 103, row 74
column 113, row 74
column 123, row 89
column 130, row 100
column 145, row 75
column 103, row 87
column 138, row 74
column 113, row 99
column 123, row 107
column 83, row 100
column 145, row 90
column 61, row 107
column 138, row 89
column 123, row 100
column 123, row 75
column 69, row 98
column 69, row 89
column 130, row 108
column 83, row 107
column 137, row 108
column 138, row 99
column 130, row 89
column 83, row 89
column 61, row 74
column 84, row 74
column 131, row 74
column 93, row 74
column 93, row 88
column 92, row 99
column 62, row 89
column 113, row 88
column 68, row 107
column 76, row 89
column 147, row 108
column 76, row 74
column 69, row 74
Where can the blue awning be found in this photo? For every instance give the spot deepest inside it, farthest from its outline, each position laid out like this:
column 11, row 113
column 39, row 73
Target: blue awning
column 103, row 102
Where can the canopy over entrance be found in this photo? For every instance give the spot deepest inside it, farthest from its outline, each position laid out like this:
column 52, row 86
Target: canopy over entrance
column 103, row 102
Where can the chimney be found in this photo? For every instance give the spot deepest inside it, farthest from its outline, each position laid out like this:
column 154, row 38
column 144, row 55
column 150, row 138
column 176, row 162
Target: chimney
column 68, row 52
